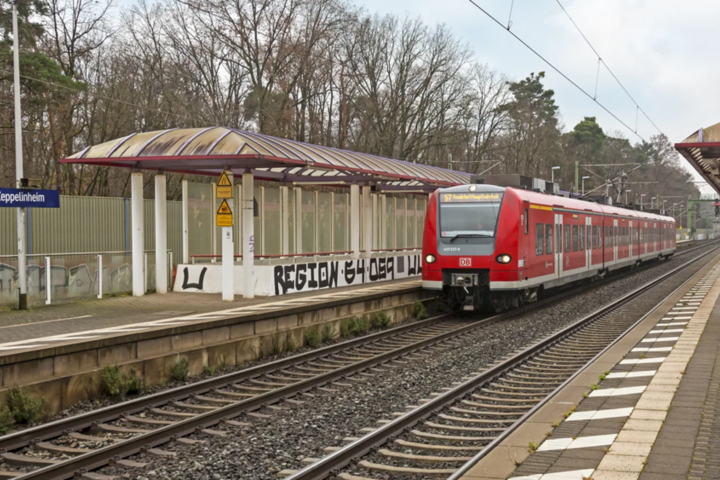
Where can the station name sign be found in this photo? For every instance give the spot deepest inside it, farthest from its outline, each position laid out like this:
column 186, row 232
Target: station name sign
column 470, row 197
column 25, row 198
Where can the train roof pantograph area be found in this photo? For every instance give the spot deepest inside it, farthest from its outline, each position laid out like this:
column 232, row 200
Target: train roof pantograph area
column 209, row 151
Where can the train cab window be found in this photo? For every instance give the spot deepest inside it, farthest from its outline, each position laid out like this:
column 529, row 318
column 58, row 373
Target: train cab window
column 568, row 244
column 575, row 238
column 539, row 238
column 548, row 239
column 558, row 238
column 581, row 238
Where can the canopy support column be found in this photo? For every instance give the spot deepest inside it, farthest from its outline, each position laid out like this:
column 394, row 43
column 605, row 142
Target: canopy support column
column 185, row 223
column 298, row 221
column 367, row 221
column 161, row 266
column 138, row 234
column 228, row 259
column 285, row 205
column 355, row 220
column 248, row 234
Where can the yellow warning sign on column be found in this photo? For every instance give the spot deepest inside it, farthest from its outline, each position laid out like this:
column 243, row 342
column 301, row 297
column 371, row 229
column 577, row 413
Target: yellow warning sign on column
column 224, row 187
column 223, row 217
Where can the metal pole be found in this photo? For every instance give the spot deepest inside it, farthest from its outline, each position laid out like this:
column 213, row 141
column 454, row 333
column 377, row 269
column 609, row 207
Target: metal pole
column 21, row 231
column 48, row 281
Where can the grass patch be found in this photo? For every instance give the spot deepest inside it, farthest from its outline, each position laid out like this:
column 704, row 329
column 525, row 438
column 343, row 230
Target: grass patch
column 381, row 320
column 115, row 383
column 568, row 413
column 23, row 407
column 593, row 386
column 290, row 343
column 328, row 332
column 276, row 343
column 419, row 312
column 7, row 420
column 532, row 447
column 351, row 327
column 313, row 337
column 179, row 370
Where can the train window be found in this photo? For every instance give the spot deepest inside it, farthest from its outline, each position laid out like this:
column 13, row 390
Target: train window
column 575, row 238
column 548, row 239
column 558, row 238
column 539, row 238
column 581, row 237
column 617, row 237
column 527, row 221
column 594, row 237
column 568, row 245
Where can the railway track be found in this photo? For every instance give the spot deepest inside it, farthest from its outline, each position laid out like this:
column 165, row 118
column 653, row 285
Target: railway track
column 462, row 424
column 77, row 445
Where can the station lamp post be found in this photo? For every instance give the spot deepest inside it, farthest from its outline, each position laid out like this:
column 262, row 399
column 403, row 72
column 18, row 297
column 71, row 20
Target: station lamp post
column 641, row 200
column 552, row 174
column 583, row 183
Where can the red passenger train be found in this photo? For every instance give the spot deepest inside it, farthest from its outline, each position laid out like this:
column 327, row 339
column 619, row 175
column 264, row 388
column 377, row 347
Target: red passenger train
column 495, row 247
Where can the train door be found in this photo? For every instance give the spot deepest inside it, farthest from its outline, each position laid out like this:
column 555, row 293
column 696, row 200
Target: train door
column 631, row 238
column 558, row 244
column 614, row 234
column 588, row 242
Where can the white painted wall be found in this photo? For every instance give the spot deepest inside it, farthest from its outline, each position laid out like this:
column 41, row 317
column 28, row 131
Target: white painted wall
column 273, row 280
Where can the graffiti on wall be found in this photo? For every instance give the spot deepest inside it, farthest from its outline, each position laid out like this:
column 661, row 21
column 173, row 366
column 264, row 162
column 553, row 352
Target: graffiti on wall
column 311, row 276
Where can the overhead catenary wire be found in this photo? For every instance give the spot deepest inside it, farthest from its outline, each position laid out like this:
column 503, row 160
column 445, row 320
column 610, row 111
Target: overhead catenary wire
column 600, row 59
column 556, row 69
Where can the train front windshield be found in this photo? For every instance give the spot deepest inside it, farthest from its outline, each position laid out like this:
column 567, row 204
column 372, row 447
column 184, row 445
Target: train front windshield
column 469, row 214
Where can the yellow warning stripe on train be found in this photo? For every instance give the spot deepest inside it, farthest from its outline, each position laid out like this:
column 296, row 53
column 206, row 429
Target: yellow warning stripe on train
column 540, row 207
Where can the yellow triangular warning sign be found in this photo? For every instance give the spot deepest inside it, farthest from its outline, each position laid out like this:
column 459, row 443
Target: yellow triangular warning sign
column 224, row 181
column 224, row 209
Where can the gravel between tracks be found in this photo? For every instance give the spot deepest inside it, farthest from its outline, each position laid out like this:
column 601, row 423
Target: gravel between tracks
column 261, row 450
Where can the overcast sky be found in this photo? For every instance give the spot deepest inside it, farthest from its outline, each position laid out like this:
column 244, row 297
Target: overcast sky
column 662, row 50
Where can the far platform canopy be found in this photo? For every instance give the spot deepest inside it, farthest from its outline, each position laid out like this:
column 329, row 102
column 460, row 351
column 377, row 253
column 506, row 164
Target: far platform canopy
column 209, row 151
column 702, row 150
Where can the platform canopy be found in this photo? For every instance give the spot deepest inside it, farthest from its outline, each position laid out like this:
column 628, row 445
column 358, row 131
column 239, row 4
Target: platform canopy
column 702, row 150
column 209, row 151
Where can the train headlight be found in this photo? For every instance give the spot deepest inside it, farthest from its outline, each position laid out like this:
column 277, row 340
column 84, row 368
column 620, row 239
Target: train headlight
column 430, row 258
column 504, row 258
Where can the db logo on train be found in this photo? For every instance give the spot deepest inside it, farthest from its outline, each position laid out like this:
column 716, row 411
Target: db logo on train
column 465, row 262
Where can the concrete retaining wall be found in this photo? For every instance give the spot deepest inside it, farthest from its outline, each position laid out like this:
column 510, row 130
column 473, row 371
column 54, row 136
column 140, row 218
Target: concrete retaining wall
column 68, row 374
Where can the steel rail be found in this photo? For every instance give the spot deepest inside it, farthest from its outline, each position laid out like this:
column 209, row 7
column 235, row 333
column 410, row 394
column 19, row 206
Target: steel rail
column 22, row 438
column 502, row 436
column 332, row 463
column 162, row 435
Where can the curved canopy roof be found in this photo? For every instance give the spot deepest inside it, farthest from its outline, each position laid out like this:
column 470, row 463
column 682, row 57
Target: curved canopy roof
column 702, row 150
column 208, row 151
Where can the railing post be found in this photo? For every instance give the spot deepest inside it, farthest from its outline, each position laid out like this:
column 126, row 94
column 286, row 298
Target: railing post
column 145, row 271
column 171, row 266
column 48, row 282
column 100, row 276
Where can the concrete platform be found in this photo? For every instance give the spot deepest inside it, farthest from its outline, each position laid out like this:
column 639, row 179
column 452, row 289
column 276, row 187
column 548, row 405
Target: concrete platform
column 54, row 321
column 651, row 413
